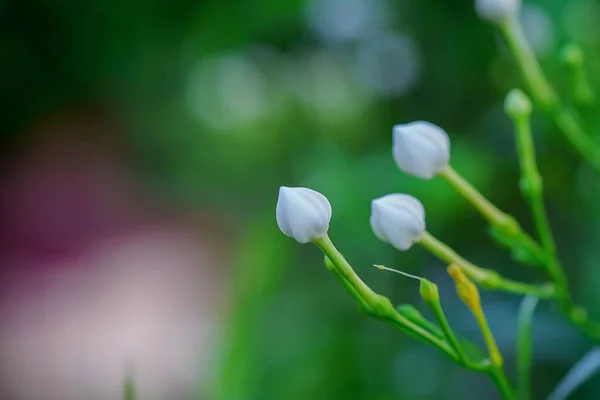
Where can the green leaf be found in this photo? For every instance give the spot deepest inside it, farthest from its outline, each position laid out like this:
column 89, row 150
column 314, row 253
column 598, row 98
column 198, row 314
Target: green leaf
column 409, row 312
column 580, row 373
column 525, row 346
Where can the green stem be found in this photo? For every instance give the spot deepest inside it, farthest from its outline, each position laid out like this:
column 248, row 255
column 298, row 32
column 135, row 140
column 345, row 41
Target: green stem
column 488, row 337
column 380, row 307
column 528, row 64
column 409, row 312
column 347, row 285
column 501, row 382
column 377, row 305
column 579, row 317
column 489, row 211
column 532, row 188
column 497, row 375
column 361, row 290
column 438, row 312
column 542, row 92
column 502, row 221
column 485, row 277
column 524, row 347
column 581, row 91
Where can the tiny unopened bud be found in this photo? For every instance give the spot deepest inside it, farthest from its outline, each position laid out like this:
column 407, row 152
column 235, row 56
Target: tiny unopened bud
column 429, row 291
column 469, row 294
column 421, row 149
column 410, row 312
column 572, row 55
column 497, row 10
column 517, row 105
column 303, row 214
column 398, row 219
column 467, row 291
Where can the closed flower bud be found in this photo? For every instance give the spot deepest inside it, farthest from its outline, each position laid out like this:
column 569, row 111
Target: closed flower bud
column 497, row 10
column 517, row 105
column 398, row 219
column 429, row 291
column 467, row 291
column 572, row 55
column 421, row 149
column 303, row 214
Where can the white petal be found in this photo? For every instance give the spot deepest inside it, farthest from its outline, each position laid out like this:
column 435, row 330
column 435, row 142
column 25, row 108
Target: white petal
column 421, row 149
column 303, row 214
column 398, row 219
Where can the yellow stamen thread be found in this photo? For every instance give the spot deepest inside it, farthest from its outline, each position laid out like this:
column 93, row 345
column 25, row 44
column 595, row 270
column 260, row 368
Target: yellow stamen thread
column 469, row 294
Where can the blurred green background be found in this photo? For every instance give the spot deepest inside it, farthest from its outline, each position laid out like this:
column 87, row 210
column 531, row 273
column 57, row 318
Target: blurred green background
column 218, row 103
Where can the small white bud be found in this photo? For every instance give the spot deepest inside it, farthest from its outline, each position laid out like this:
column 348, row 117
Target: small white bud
column 303, row 214
column 398, row 219
column 517, row 104
column 421, row 149
column 497, row 10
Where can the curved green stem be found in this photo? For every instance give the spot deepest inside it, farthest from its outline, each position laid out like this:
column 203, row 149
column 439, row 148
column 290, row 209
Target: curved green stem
column 487, row 278
column 375, row 304
column 489, row 211
column 528, row 64
column 497, row 218
column 438, row 312
column 502, row 383
column 532, row 188
column 380, row 307
column 542, row 92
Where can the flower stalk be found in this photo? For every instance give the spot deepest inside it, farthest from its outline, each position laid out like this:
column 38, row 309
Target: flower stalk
column 543, row 93
column 518, row 107
column 487, row 278
column 581, row 91
column 430, row 294
column 376, row 305
column 422, row 149
column 504, row 226
column 469, row 294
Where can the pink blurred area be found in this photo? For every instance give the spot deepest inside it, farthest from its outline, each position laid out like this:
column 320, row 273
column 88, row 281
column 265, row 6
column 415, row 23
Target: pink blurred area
column 98, row 273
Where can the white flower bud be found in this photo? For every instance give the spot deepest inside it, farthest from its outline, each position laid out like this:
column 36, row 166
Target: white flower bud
column 303, row 214
column 497, row 10
column 398, row 219
column 421, row 149
column 517, row 104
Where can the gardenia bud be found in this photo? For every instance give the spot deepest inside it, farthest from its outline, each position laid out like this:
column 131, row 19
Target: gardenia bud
column 398, row 219
column 303, row 214
column 497, row 10
column 421, row 149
